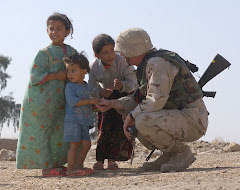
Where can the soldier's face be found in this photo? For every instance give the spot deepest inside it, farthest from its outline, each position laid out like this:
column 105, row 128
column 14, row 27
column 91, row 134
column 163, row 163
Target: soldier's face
column 134, row 60
column 131, row 60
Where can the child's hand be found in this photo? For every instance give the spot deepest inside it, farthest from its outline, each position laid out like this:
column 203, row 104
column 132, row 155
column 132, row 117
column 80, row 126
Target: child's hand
column 105, row 92
column 61, row 75
column 94, row 100
column 117, row 84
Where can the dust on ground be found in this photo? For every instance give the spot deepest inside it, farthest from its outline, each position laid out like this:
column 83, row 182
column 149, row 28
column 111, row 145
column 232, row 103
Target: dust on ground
column 215, row 168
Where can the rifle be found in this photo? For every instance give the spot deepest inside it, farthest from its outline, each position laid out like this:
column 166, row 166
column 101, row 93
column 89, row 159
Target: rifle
column 217, row 65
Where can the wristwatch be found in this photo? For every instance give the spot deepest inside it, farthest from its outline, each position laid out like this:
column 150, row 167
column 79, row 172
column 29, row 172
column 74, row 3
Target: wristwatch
column 130, row 114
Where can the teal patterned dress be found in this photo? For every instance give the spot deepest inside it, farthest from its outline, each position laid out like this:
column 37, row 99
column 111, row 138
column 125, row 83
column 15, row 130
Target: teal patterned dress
column 40, row 143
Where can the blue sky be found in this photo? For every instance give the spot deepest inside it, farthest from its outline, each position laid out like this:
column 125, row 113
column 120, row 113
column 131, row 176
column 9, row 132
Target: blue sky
column 196, row 30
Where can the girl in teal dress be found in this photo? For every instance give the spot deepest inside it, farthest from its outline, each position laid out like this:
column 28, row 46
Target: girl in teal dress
column 40, row 143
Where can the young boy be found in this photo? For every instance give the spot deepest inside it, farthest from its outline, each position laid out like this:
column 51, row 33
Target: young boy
column 79, row 115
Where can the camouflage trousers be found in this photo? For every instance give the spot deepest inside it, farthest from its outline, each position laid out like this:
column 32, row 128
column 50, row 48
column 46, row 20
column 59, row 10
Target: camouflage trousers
column 167, row 129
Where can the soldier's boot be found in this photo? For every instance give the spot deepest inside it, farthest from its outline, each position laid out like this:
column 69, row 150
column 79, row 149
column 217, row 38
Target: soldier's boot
column 179, row 161
column 156, row 165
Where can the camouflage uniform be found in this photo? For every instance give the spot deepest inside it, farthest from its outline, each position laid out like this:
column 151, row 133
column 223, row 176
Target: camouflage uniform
column 163, row 128
column 167, row 107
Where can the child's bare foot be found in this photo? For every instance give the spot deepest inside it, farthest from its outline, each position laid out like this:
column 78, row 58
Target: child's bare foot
column 70, row 171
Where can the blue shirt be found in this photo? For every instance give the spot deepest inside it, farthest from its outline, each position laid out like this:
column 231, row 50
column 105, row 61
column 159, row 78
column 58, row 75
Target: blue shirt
column 75, row 92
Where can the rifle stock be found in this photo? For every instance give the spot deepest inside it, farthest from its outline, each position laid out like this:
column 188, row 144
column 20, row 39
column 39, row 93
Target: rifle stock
column 216, row 66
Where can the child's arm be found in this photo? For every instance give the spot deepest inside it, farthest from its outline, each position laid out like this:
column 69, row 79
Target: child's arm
column 105, row 92
column 129, row 80
column 73, row 100
column 88, row 101
column 95, row 89
column 61, row 75
column 39, row 71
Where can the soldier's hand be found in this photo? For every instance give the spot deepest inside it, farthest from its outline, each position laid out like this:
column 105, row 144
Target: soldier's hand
column 104, row 105
column 129, row 122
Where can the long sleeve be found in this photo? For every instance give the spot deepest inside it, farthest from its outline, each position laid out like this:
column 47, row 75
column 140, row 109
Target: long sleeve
column 71, row 97
column 100, row 77
column 129, row 79
column 160, row 74
column 39, row 67
column 93, row 84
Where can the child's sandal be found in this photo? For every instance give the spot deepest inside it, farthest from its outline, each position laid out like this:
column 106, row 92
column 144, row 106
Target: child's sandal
column 98, row 166
column 112, row 165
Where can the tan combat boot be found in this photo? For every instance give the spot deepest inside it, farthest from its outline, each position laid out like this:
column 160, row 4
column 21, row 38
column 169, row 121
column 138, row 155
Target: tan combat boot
column 156, row 165
column 179, row 161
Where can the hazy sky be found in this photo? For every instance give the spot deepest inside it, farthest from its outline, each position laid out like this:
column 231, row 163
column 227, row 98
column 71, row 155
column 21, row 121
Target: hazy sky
column 197, row 30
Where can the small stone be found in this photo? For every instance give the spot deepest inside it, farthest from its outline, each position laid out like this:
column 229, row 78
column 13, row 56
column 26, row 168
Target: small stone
column 7, row 155
column 233, row 147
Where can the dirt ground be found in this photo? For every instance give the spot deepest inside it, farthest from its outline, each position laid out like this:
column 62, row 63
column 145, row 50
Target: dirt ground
column 213, row 169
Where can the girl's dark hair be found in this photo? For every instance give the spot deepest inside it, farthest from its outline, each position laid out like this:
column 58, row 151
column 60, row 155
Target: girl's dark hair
column 100, row 41
column 63, row 18
column 78, row 58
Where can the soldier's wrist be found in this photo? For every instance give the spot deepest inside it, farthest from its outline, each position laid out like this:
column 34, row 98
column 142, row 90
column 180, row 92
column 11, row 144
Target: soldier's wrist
column 130, row 114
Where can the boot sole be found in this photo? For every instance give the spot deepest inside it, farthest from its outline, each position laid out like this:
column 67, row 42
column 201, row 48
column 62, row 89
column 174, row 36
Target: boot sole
column 178, row 169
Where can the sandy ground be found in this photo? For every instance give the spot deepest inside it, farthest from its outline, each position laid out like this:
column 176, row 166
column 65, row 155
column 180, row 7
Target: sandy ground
column 213, row 169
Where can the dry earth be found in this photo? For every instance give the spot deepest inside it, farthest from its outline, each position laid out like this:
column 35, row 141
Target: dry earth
column 214, row 169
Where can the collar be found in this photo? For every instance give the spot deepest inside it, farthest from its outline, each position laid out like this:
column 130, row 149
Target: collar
column 112, row 67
